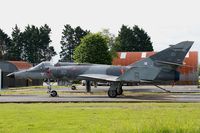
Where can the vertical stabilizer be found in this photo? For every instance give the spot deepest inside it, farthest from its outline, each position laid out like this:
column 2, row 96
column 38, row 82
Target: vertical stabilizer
column 174, row 54
column 160, row 66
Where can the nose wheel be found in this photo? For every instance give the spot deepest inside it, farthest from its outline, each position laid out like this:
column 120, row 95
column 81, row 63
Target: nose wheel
column 53, row 93
column 73, row 87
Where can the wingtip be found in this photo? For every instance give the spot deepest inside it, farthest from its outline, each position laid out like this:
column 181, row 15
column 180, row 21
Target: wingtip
column 188, row 42
column 184, row 44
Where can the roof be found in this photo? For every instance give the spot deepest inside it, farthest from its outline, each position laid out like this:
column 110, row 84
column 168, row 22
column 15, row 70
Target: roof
column 127, row 58
column 21, row 64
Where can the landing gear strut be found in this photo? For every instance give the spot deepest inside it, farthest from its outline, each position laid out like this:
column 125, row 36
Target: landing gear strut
column 88, row 86
column 51, row 92
column 119, row 90
column 115, row 89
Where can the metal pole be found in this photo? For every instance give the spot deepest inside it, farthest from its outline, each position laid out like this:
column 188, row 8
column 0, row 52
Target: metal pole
column 0, row 79
column 88, row 86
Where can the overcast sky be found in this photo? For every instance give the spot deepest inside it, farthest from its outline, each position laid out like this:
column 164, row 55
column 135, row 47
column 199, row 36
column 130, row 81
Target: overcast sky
column 166, row 21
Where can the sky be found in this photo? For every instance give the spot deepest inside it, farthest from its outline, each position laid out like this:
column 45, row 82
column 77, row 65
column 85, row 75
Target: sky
column 166, row 21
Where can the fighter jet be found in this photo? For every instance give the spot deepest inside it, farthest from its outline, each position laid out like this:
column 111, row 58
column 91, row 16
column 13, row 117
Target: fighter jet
column 161, row 66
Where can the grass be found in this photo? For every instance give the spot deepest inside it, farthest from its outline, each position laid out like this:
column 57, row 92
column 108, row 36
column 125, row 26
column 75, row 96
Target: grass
column 100, row 118
column 30, row 90
column 36, row 87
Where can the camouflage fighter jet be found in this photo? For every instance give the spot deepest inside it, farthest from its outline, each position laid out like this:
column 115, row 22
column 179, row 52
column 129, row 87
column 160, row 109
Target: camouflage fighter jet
column 161, row 66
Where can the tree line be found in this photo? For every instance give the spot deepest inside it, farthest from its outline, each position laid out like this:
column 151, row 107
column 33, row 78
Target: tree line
column 101, row 47
column 31, row 45
column 77, row 44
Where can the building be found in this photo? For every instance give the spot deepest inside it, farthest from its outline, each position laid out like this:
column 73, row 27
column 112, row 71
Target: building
column 12, row 66
column 188, row 72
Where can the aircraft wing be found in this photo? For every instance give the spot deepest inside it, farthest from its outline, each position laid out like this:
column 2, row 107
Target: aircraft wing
column 145, row 81
column 98, row 77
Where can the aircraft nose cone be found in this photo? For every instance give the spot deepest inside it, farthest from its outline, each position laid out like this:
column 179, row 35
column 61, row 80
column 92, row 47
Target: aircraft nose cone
column 11, row 75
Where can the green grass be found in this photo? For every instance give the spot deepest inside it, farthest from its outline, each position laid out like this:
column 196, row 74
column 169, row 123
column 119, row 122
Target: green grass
column 30, row 90
column 36, row 87
column 100, row 118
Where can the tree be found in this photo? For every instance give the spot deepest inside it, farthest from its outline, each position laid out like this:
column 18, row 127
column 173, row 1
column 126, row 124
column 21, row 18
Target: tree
column 4, row 44
column 133, row 39
column 125, row 39
column 142, row 40
column 93, row 49
column 111, row 41
column 31, row 48
column 70, row 39
column 47, row 52
column 36, row 44
column 199, row 70
column 15, row 49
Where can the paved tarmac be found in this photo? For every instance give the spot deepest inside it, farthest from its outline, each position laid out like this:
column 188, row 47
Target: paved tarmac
column 99, row 94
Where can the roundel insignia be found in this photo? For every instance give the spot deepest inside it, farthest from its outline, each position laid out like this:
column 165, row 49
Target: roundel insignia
column 122, row 71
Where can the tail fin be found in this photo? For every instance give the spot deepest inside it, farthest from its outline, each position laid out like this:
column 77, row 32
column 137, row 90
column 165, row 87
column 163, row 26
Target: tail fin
column 175, row 54
column 160, row 66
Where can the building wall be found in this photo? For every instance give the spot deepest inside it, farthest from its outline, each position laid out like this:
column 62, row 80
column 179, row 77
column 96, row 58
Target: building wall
column 8, row 67
column 189, row 72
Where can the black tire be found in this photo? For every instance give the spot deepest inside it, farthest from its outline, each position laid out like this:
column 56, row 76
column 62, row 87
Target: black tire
column 112, row 93
column 53, row 93
column 119, row 91
column 73, row 87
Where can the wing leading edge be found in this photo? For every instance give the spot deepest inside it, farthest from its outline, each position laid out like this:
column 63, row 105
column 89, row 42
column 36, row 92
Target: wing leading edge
column 105, row 77
column 99, row 77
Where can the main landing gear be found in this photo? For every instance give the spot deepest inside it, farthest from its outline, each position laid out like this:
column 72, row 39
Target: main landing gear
column 51, row 92
column 114, row 90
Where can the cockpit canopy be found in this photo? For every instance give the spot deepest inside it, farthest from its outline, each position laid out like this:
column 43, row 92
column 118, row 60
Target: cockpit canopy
column 41, row 66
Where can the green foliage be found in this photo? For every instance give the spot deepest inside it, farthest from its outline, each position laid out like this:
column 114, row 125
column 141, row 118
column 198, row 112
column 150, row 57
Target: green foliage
column 71, row 38
column 46, row 51
column 5, row 42
column 133, row 39
column 199, row 70
column 36, row 44
column 100, row 118
column 142, row 40
column 93, row 49
column 125, row 40
column 111, row 41
column 15, row 49
column 32, row 45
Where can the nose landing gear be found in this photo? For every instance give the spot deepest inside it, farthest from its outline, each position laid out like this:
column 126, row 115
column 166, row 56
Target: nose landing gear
column 51, row 92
